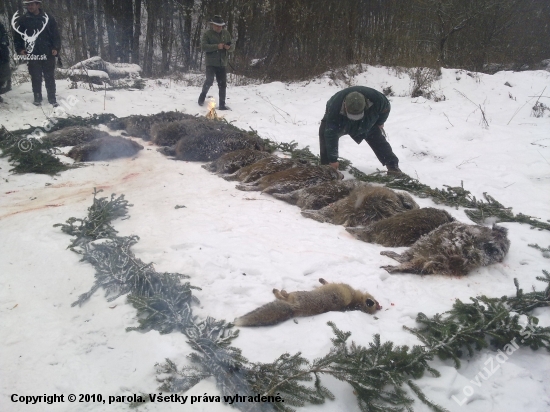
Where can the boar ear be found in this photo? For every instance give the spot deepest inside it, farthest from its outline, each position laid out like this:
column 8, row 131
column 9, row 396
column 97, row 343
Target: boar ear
column 369, row 302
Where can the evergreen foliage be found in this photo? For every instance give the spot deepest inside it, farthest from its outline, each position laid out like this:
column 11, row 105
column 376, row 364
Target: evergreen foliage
column 524, row 303
column 30, row 155
column 545, row 250
column 162, row 301
column 97, row 225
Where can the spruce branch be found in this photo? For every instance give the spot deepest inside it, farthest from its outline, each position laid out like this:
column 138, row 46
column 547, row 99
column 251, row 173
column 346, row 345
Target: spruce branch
column 524, row 303
column 97, row 225
column 545, row 250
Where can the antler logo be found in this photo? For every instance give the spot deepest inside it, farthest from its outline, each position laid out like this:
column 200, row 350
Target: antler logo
column 29, row 40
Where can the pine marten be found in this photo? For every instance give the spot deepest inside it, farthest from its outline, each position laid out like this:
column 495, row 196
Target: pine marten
column 326, row 298
column 319, row 196
column 404, row 228
column 233, row 161
column 364, row 205
column 292, row 179
column 453, row 249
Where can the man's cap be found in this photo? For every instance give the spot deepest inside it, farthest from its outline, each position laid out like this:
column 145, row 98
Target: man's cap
column 217, row 20
column 355, row 106
column 37, row 1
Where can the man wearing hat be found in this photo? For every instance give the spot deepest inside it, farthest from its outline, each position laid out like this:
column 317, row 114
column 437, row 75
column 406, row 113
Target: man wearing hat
column 40, row 52
column 361, row 113
column 216, row 43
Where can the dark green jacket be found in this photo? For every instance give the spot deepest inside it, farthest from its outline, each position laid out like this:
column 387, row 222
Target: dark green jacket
column 338, row 124
column 209, row 44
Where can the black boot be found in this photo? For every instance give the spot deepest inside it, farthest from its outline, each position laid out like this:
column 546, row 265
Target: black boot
column 393, row 169
column 201, row 99
column 1, row 100
column 37, row 99
column 222, row 105
column 53, row 101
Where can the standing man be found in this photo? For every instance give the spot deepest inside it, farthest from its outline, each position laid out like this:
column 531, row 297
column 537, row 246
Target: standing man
column 36, row 36
column 5, row 72
column 361, row 113
column 216, row 43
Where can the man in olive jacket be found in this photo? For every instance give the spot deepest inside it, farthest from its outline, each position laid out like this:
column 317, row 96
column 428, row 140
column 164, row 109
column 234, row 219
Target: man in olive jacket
column 216, row 43
column 40, row 53
column 361, row 113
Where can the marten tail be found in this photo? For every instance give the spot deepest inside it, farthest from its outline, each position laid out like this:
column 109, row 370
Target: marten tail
column 270, row 314
column 248, row 187
column 315, row 215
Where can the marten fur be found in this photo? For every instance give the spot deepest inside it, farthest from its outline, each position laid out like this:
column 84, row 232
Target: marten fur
column 263, row 167
column 73, row 135
column 404, row 228
column 170, row 132
column 453, row 249
column 233, row 161
column 365, row 205
column 325, row 298
column 207, row 145
column 292, row 179
column 140, row 126
column 318, row 196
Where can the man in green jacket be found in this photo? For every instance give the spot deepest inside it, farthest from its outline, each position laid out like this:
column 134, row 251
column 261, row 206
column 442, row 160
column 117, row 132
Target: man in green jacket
column 361, row 113
column 216, row 43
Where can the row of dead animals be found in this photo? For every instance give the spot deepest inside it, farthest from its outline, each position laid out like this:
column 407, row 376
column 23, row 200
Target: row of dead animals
column 373, row 214
column 438, row 243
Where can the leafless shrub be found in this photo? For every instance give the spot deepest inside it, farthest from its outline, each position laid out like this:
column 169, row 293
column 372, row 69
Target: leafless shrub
column 388, row 91
column 538, row 109
column 422, row 79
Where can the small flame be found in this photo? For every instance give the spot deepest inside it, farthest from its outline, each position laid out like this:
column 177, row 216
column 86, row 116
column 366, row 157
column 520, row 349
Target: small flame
column 212, row 104
column 212, row 109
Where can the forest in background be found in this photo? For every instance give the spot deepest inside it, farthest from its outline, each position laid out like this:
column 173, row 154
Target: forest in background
column 297, row 39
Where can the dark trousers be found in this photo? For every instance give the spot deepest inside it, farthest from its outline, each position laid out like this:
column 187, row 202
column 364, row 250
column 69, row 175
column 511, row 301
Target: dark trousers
column 37, row 68
column 376, row 140
column 221, row 78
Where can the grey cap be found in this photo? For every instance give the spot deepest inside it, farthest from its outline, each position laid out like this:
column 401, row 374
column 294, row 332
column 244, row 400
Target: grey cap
column 33, row 1
column 355, row 106
column 217, row 20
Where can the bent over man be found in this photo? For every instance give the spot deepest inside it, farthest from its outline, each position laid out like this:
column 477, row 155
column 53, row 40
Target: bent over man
column 40, row 52
column 216, row 43
column 361, row 113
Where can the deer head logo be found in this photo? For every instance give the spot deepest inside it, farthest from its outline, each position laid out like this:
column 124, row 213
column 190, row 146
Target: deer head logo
column 29, row 40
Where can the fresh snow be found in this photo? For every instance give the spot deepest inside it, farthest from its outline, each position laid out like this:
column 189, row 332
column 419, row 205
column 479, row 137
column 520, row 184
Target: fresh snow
column 238, row 246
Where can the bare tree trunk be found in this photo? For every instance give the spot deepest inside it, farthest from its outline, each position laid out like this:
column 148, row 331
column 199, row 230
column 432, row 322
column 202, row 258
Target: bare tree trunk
column 89, row 24
column 137, row 31
column 100, row 13
column 149, row 38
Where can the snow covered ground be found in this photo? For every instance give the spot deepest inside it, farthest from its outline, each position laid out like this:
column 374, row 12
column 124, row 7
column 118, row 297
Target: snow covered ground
column 238, row 246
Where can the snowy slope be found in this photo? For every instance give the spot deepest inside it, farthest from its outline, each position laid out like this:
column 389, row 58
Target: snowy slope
column 238, row 246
